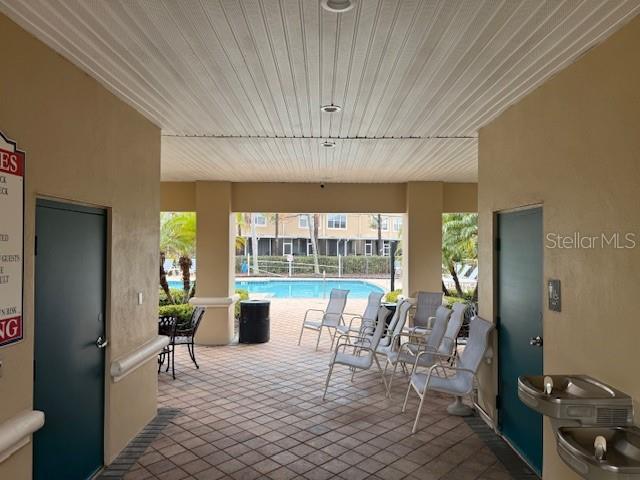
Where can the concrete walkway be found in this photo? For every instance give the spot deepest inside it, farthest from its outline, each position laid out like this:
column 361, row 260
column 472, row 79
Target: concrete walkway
column 255, row 411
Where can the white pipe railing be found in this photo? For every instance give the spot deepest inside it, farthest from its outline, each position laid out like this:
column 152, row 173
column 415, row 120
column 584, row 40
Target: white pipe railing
column 124, row 366
column 16, row 432
column 214, row 302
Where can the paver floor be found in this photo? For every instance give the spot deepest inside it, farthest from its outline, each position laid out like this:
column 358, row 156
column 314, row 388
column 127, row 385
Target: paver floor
column 255, row 411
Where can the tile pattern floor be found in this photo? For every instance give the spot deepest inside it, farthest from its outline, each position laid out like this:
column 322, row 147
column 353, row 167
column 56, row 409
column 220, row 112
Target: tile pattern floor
column 255, row 411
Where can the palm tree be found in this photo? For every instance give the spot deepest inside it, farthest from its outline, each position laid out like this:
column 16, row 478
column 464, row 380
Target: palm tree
column 179, row 240
column 376, row 222
column 313, row 237
column 459, row 243
column 254, row 243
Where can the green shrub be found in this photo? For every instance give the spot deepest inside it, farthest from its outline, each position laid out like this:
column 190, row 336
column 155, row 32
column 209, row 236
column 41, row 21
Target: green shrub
column 182, row 312
column 351, row 265
column 178, row 295
column 392, row 297
column 244, row 295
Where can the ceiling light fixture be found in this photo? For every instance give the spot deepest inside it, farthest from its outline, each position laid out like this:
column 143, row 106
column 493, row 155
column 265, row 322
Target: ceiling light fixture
column 337, row 6
column 328, row 144
column 331, row 108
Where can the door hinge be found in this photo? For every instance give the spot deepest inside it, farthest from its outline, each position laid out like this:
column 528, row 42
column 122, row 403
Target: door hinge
column 497, row 244
column 35, row 249
column 497, row 401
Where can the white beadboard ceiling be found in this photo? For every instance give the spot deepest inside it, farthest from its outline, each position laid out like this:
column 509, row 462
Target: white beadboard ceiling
column 237, row 85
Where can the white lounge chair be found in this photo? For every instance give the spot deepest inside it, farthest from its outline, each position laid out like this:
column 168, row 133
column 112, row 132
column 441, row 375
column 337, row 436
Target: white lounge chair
column 408, row 351
column 331, row 317
column 362, row 348
column 455, row 380
column 367, row 319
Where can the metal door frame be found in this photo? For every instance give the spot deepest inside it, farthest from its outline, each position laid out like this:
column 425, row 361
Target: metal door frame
column 106, row 431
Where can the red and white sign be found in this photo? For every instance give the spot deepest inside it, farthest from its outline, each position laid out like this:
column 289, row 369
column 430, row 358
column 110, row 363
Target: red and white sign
column 11, row 240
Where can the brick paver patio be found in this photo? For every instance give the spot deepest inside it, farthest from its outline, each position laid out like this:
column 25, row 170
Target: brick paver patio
column 255, row 411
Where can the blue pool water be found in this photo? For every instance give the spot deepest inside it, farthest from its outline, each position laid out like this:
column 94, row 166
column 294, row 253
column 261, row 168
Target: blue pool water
column 302, row 288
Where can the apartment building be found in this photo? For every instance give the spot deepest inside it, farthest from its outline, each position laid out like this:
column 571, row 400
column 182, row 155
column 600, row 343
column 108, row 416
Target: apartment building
column 347, row 233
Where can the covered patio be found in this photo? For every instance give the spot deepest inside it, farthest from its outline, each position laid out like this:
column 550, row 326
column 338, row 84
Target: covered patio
column 255, row 411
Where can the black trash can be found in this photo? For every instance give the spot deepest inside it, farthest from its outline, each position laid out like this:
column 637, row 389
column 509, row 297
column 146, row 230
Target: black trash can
column 254, row 321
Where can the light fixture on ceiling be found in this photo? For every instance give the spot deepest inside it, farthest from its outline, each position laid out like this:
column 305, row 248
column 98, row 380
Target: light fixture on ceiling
column 328, row 144
column 331, row 108
column 337, row 6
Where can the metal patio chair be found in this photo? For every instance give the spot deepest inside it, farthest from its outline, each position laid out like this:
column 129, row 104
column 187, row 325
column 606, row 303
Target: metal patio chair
column 427, row 304
column 455, row 380
column 389, row 341
column 331, row 317
column 186, row 335
column 442, row 340
column 362, row 354
column 367, row 319
column 167, row 327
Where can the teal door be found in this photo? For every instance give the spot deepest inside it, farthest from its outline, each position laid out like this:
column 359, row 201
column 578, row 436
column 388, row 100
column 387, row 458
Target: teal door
column 69, row 321
column 520, row 287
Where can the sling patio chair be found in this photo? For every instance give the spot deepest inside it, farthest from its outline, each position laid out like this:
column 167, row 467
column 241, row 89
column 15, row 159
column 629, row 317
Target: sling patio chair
column 442, row 340
column 330, row 318
column 367, row 319
column 388, row 343
column 361, row 354
column 427, row 304
column 457, row 380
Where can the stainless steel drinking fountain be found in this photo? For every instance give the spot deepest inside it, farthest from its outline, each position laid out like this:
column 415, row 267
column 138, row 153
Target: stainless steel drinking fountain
column 617, row 458
column 592, row 422
column 576, row 400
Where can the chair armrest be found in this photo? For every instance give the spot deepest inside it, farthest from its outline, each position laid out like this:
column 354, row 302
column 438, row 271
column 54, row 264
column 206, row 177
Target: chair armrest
column 432, row 353
column 358, row 338
column 312, row 310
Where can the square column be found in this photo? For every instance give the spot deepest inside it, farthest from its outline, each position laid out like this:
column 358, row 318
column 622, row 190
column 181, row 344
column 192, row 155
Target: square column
column 422, row 238
column 215, row 257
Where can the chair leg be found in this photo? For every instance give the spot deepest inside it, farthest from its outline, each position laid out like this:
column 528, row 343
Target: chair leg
column 415, row 424
column 173, row 361
column 318, row 340
column 300, row 337
column 326, row 385
column 406, row 397
column 192, row 353
column 333, row 337
column 384, row 380
column 395, row 367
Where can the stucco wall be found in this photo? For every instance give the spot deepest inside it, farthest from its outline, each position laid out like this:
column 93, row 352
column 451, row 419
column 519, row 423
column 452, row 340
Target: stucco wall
column 573, row 145
column 85, row 145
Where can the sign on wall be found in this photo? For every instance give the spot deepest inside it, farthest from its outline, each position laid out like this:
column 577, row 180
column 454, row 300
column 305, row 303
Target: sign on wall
column 12, row 168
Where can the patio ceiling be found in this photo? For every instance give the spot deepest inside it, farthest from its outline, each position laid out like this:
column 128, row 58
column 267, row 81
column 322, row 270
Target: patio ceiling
column 236, row 86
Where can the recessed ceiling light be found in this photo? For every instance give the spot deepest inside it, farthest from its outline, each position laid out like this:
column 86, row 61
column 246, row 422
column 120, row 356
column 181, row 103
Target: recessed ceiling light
column 331, row 108
column 337, row 6
column 328, row 144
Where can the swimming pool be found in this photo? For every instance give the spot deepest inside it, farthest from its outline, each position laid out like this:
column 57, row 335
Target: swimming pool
column 301, row 288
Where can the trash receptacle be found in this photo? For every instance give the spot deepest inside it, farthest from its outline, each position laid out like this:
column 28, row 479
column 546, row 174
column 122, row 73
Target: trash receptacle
column 254, row 321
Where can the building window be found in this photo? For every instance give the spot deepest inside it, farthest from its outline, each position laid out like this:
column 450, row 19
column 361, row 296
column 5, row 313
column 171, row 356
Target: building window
column 309, row 247
column 386, row 248
column 287, row 247
column 337, row 221
column 368, row 247
column 303, row 221
column 397, row 224
column 384, row 223
column 260, row 220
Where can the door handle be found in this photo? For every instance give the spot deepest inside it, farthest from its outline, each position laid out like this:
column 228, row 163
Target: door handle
column 101, row 342
column 535, row 341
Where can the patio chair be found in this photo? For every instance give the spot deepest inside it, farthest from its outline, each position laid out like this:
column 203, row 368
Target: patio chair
column 186, row 335
column 167, row 327
column 332, row 316
column 455, row 380
column 367, row 319
column 362, row 353
column 443, row 340
column 427, row 304
column 388, row 342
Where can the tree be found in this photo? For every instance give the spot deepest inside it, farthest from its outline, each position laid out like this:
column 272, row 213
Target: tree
column 313, row 238
column 178, row 239
column 254, row 243
column 459, row 243
column 376, row 222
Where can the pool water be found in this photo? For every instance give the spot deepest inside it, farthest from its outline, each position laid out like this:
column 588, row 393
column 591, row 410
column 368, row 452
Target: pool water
column 301, row 288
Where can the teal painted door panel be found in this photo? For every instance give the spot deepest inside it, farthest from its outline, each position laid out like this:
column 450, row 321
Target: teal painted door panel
column 520, row 287
column 69, row 318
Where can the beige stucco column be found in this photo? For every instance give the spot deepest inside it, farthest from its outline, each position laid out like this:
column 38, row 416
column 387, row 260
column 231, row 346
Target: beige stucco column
column 215, row 262
column 422, row 238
